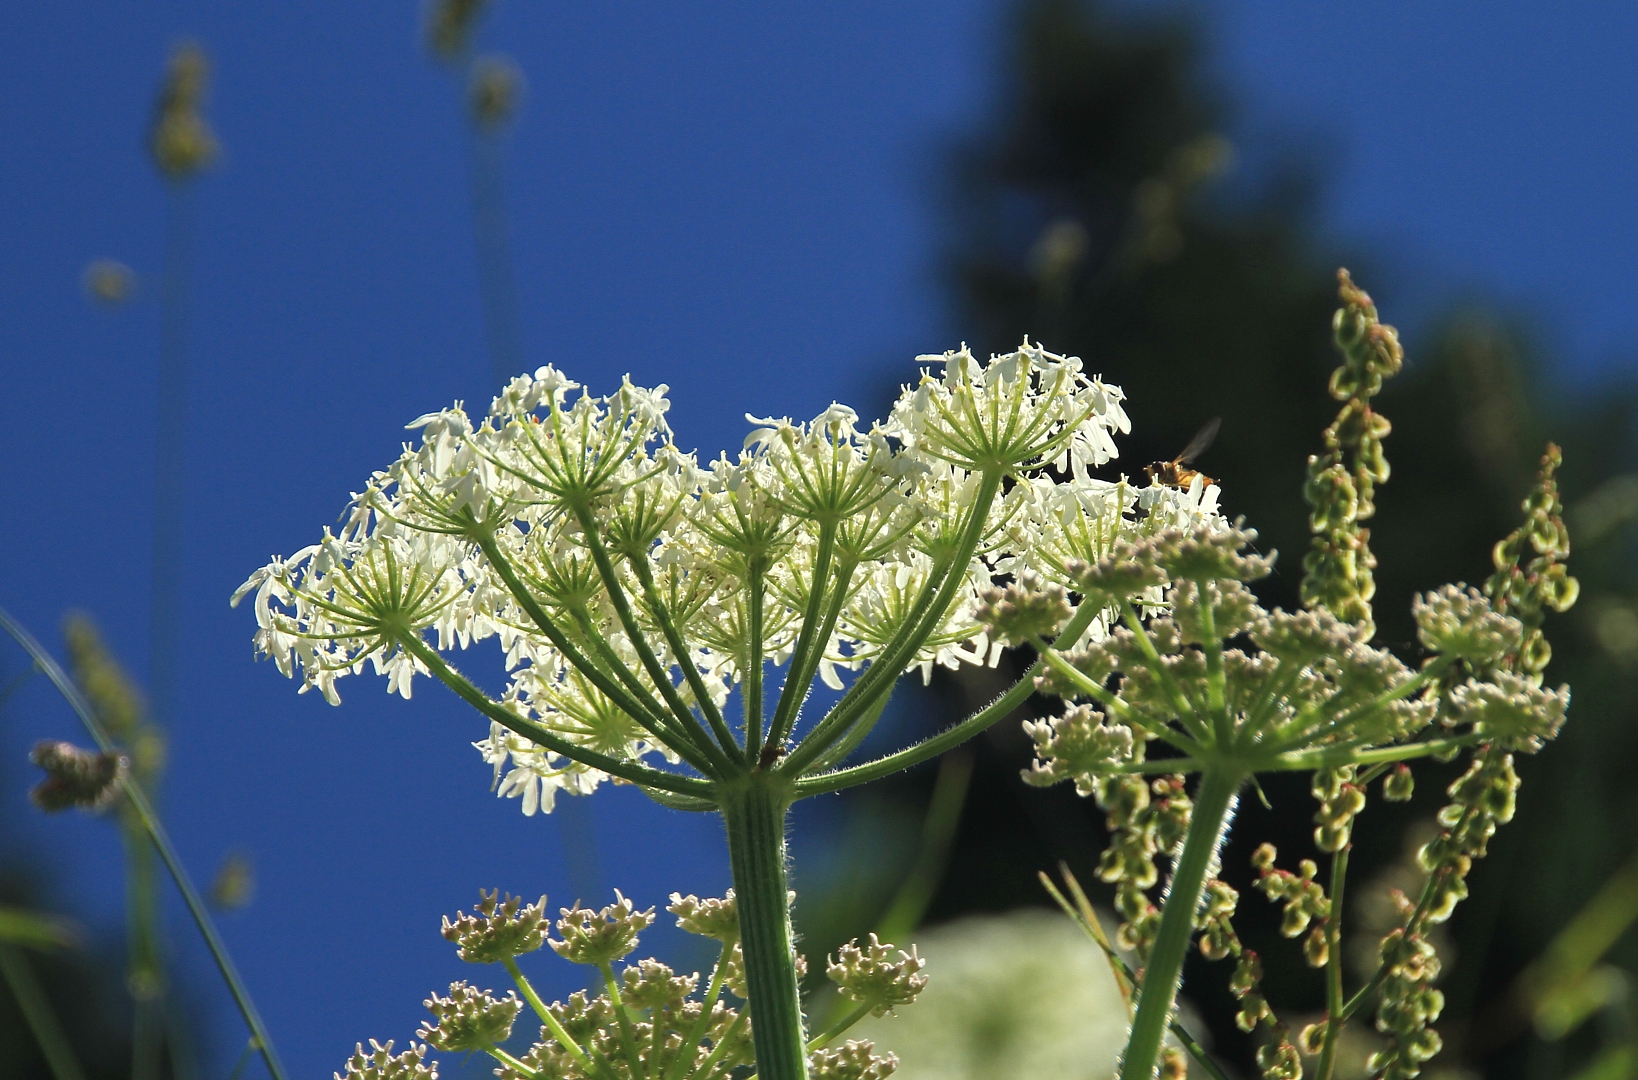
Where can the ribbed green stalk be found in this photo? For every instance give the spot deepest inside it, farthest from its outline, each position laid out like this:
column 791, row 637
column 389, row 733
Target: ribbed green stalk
column 754, row 811
column 1165, row 968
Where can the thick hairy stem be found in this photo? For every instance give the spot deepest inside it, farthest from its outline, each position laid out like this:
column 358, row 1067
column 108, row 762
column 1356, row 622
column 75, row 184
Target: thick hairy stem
column 1161, row 977
column 754, row 812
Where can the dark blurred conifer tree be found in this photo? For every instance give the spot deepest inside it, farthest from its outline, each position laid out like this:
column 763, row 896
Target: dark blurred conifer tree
column 1093, row 213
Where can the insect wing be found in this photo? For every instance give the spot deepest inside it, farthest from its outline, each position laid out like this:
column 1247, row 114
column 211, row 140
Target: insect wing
column 1202, row 439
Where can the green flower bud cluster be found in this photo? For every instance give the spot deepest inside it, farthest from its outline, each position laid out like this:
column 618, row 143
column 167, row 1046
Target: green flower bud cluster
column 1218, row 940
column 1511, row 713
column 650, row 1022
column 1410, row 1005
column 1340, row 800
column 1027, row 609
column 381, row 1064
column 1140, row 827
column 1341, row 487
column 1215, row 919
column 469, row 1019
column 1078, row 746
column 871, row 976
column 75, row 776
column 1530, row 576
column 600, row 937
column 1458, row 621
column 501, row 929
column 1303, row 897
column 733, row 966
column 495, row 91
column 710, row 918
column 450, row 24
column 851, row 1061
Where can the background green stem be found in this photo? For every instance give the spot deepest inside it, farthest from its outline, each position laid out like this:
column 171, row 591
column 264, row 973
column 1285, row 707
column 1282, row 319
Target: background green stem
column 1333, row 966
column 754, row 812
column 161, row 840
column 37, row 1014
column 1165, row 968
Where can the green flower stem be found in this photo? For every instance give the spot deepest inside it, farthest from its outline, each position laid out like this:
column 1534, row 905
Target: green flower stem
column 839, row 1027
column 37, row 1014
column 564, row 1039
column 486, row 542
column 857, row 734
column 842, row 579
column 684, row 656
column 634, row 631
column 1303, row 729
column 626, row 770
column 679, row 1067
column 1164, row 971
column 509, row 1061
column 682, row 715
column 1184, row 708
column 1334, row 1001
column 804, row 658
column 890, row 663
column 1113, row 703
column 754, row 657
column 1363, row 994
column 754, row 811
column 721, row 1048
column 1331, row 757
column 1216, row 699
column 692, row 749
column 161, row 840
column 628, row 1040
column 1278, row 685
column 935, row 745
column 1124, row 978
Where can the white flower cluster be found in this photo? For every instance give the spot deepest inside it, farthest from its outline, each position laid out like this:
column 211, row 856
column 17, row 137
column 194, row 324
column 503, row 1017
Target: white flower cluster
column 630, row 586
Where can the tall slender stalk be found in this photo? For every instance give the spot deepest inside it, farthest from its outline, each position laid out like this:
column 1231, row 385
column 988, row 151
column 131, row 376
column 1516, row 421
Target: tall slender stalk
column 1334, row 1001
column 161, row 841
column 754, row 811
column 37, row 1014
column 1161, row 976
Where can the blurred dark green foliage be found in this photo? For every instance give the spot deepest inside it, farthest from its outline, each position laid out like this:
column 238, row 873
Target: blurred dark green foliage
column 1095, row 212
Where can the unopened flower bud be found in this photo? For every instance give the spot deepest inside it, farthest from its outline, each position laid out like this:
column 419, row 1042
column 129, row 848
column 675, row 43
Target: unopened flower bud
column 469, row 1019
column 710, row 918
column 381, row 1064
column 1399, row 785
column 500, row 930
column 1027, row 609
column 108, row 282
column 872, row 976
column 75, row 777
column 601, row 937
column 1316, row 949
column 851, row 1061
column 181, row 142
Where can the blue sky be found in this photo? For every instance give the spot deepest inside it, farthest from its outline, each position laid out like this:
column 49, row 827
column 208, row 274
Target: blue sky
column 736, row 199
